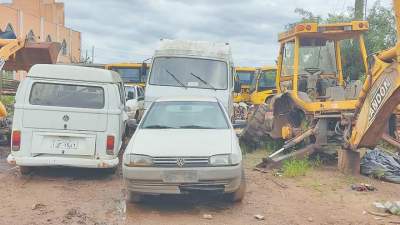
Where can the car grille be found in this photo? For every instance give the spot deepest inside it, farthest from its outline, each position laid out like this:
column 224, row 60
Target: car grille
column 180, row 161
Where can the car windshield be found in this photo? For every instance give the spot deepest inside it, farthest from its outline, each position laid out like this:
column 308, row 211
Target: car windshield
column 189, row 72
column 317, row 55
column 67, row 95
column 245, row 77
column 129, row 75
column 185, row 115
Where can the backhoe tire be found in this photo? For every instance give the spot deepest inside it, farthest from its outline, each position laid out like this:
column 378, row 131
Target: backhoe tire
column 25, row 170
column 134, row 197
column 239, row 194
column 256, row 128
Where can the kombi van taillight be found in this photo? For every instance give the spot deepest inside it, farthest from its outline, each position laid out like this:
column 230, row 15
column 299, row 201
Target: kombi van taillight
column 16, row 140
column 110, row 145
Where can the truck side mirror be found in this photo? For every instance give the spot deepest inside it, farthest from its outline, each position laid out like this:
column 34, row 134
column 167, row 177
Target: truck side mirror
column 143, row 69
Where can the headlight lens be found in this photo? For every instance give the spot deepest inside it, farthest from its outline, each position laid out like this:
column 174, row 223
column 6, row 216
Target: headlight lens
column 220, row 160
column 138, row 160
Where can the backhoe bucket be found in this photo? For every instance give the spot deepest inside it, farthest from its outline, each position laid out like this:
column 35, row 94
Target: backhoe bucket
column 33, row 53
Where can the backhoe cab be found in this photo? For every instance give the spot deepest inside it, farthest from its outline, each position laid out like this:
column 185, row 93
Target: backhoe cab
column 263, row 86
column 244, row 76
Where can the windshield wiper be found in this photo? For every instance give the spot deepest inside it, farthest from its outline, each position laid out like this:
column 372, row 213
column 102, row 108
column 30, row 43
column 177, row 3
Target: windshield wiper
column 203, row 81
column 176, row 79
column 195, row 127
column 158, row 127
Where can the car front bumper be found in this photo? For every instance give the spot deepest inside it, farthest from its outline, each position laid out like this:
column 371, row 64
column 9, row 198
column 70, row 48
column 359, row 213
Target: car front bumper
column 150, row 180
column 62, row 161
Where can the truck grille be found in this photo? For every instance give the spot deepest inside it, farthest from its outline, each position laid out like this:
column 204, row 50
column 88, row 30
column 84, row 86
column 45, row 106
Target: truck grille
column 180, row 161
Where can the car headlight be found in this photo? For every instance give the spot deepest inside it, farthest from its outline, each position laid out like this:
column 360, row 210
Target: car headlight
column 220, row 160
column 133, row 160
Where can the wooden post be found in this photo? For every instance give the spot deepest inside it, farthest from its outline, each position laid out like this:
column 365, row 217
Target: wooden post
column 349, row 161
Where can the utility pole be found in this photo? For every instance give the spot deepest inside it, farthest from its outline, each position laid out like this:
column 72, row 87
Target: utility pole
column 92, row 54
column 359, row 10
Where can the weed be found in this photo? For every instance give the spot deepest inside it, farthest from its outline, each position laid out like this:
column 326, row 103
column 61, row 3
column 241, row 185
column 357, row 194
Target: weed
column 296, row 167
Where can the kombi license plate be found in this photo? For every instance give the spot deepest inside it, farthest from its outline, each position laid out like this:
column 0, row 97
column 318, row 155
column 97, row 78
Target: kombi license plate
column 180, row 177
column 65, row 144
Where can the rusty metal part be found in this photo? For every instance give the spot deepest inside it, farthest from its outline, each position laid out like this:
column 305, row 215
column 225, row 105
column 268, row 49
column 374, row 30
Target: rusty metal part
column 273, row 163
column 33, row 53
column 386, row 137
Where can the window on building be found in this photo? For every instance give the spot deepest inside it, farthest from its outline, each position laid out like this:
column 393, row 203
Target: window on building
column 31, row 36
column 64, row 48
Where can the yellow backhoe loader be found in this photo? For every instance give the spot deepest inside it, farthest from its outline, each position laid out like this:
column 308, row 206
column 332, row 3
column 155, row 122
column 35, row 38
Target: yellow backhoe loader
column 244, row 75
column 316, row 109
column 131, row 73
column 263, row 87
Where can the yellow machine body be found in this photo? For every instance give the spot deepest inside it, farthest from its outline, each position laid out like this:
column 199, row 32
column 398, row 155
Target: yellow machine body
column 263, row 86
column 244, row 75
column 130, row 73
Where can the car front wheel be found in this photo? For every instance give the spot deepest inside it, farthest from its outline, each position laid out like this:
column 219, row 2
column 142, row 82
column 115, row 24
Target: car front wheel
column 134, row 197
column 238, row 195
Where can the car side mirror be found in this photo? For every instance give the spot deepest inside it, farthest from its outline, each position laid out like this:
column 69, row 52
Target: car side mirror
column 132, row 123
column 236, row 87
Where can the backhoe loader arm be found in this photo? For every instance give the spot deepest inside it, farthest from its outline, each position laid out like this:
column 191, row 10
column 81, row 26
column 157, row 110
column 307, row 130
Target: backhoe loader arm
column 380, row 95
column 8, row 48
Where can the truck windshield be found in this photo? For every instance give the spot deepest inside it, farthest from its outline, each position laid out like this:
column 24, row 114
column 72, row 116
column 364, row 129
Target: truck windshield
column 67, row 95
column 317, row 55
column 189, row 72
column 129, row 75
column 245, row 77
column 185, row 115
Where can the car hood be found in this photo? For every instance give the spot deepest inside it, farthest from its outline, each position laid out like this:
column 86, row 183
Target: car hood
column 181, row 142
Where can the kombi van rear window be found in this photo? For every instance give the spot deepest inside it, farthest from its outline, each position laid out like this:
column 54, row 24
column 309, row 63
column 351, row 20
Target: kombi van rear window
column 67, row 95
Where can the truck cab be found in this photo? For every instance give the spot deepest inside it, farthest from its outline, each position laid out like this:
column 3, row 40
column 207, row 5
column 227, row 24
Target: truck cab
column 192, row 68
column 263, row 86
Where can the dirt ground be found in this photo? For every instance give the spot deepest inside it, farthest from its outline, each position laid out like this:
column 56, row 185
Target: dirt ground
column 79, row 196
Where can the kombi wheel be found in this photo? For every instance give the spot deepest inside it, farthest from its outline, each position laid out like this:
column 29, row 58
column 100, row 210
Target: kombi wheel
column 134, row 197
column 238, row 195
column 25, row 170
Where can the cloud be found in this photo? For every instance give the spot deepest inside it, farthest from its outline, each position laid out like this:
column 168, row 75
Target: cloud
column 129, row 30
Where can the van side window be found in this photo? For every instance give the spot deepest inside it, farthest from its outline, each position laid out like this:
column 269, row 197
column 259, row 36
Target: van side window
column 67, row 95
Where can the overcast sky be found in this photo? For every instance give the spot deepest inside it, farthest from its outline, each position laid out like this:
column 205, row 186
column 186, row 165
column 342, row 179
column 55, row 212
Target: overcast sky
column 129, row 30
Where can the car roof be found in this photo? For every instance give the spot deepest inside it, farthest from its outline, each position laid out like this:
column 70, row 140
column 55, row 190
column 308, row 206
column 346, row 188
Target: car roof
column 187, row 99
column 77, row 73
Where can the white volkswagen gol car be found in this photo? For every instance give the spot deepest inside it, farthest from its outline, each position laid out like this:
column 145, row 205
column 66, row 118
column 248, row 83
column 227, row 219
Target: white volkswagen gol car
column 184, row 144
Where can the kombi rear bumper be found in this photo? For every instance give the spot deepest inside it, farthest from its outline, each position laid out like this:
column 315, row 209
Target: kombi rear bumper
column 62, row 161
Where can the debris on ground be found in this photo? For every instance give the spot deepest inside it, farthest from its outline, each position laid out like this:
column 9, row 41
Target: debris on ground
column 259, row 217
column 362, row 187
column 207, row 216
column 382, row 165
column 37, row 206
column 388, row 207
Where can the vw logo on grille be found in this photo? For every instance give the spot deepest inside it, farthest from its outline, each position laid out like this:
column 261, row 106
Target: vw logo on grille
column 180, row 162
column 65, row 118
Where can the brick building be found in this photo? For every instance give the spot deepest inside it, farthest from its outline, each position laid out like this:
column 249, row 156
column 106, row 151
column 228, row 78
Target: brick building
column 41, row 20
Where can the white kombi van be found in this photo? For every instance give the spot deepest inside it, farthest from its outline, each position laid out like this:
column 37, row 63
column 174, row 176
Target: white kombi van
column 192, row 68
column 68, row 116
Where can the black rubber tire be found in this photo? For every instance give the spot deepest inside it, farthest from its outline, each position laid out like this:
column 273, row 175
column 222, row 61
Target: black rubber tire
column 239, row 194
column 134, row 197
column 25, row 170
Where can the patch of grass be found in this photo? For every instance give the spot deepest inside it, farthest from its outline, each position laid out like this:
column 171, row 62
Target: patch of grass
column 296, row 167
